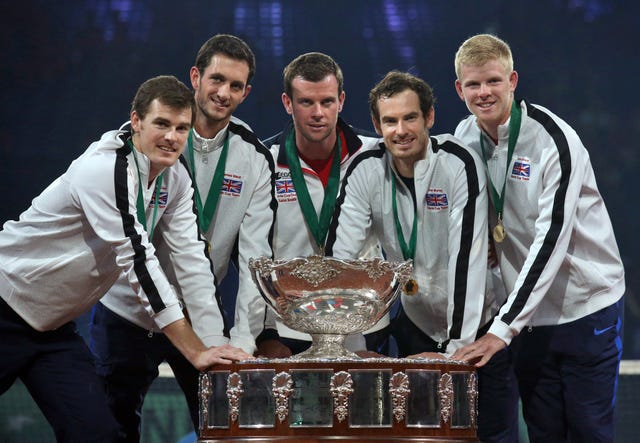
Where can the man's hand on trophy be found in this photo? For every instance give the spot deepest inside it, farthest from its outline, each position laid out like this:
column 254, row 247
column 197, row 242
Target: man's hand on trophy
column 480, row 352
column 217, row 355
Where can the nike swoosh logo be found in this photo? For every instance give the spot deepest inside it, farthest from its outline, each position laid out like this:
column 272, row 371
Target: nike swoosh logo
column 597, row 331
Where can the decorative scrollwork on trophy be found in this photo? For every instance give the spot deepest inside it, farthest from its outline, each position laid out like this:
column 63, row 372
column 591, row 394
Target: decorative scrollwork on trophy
column 445, row 392
column 377, row 268
column 399, row 390
column 472, row 392
column 205, row 394
column 341, row 389
column 314, row 271
column 234, row 393
column 282, row 388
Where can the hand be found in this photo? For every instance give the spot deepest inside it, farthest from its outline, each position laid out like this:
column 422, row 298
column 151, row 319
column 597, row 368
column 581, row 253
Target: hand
column 215, row 355
column 429, row 355
column 189, row 344
column 272, row 348
column 480, row 352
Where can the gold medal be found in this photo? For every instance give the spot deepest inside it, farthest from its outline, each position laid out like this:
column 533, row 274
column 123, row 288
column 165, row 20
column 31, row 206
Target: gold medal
column 499, row 234
column 411, row 287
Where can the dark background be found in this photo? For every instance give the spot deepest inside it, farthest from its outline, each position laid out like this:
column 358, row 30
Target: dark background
column 69, row 69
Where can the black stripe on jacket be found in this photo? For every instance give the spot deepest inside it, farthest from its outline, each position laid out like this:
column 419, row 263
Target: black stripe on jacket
column 467, row 229
column 466, row 235
column 250, row 137
column 205, row 248
column 128, row 225
column 331, row 235
column 557, row 213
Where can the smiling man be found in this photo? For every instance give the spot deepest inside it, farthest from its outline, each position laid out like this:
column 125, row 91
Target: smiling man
column 423, row 197
column 557, row 253
column 233, row 191
column 312, row 155
column 91, row 227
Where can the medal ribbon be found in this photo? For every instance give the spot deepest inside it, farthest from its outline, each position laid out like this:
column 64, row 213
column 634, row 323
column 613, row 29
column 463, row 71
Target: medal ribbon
column 408, row 251
column 514, row 131
column 140, row 209
column 319, row 226
column 205, row 214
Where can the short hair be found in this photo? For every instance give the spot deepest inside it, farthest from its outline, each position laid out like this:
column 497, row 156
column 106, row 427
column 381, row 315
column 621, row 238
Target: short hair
column 313, row 67
column 229, row 45
column 168, row 90
column 483, row 48
column 396, row 82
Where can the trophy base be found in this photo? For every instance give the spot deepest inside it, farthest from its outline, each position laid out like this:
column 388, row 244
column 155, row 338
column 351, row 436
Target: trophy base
column 352, row 400
column 326, row 346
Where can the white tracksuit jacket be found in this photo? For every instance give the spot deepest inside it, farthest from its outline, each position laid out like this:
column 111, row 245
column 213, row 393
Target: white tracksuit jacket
column 245, row 214
column 559, row 261
column 450, row 263
column 82, row 233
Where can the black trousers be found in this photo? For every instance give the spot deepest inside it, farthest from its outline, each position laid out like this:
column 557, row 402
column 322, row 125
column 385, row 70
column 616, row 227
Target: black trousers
column 58, row 370
column 127, row 359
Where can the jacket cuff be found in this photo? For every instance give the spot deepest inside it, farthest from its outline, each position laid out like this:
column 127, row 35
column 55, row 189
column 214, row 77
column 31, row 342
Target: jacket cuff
column 168, row 315
column 248, row 346
column 503, row 331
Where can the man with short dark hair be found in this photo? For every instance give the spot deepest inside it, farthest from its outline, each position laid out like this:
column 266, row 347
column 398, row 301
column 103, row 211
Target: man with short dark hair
column 232, row 176
column 89, row 228
column 312, row 155
column 424, row 198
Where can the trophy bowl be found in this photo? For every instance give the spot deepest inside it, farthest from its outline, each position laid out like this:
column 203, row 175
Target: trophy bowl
column 329, row 298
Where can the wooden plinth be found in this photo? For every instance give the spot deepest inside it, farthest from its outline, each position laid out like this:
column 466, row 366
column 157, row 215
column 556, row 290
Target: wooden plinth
column 450, row 382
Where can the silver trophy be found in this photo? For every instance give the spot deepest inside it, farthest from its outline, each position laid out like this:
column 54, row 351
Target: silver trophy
column 329, row 298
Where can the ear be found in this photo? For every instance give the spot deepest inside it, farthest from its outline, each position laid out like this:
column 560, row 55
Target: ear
column 430, row 118
column 286, row 101
column 513, row 81
column 247, row 90
column 376, row 125
column 135, row 121
column 194, row 75
column 341, row 98
column 459, row 89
